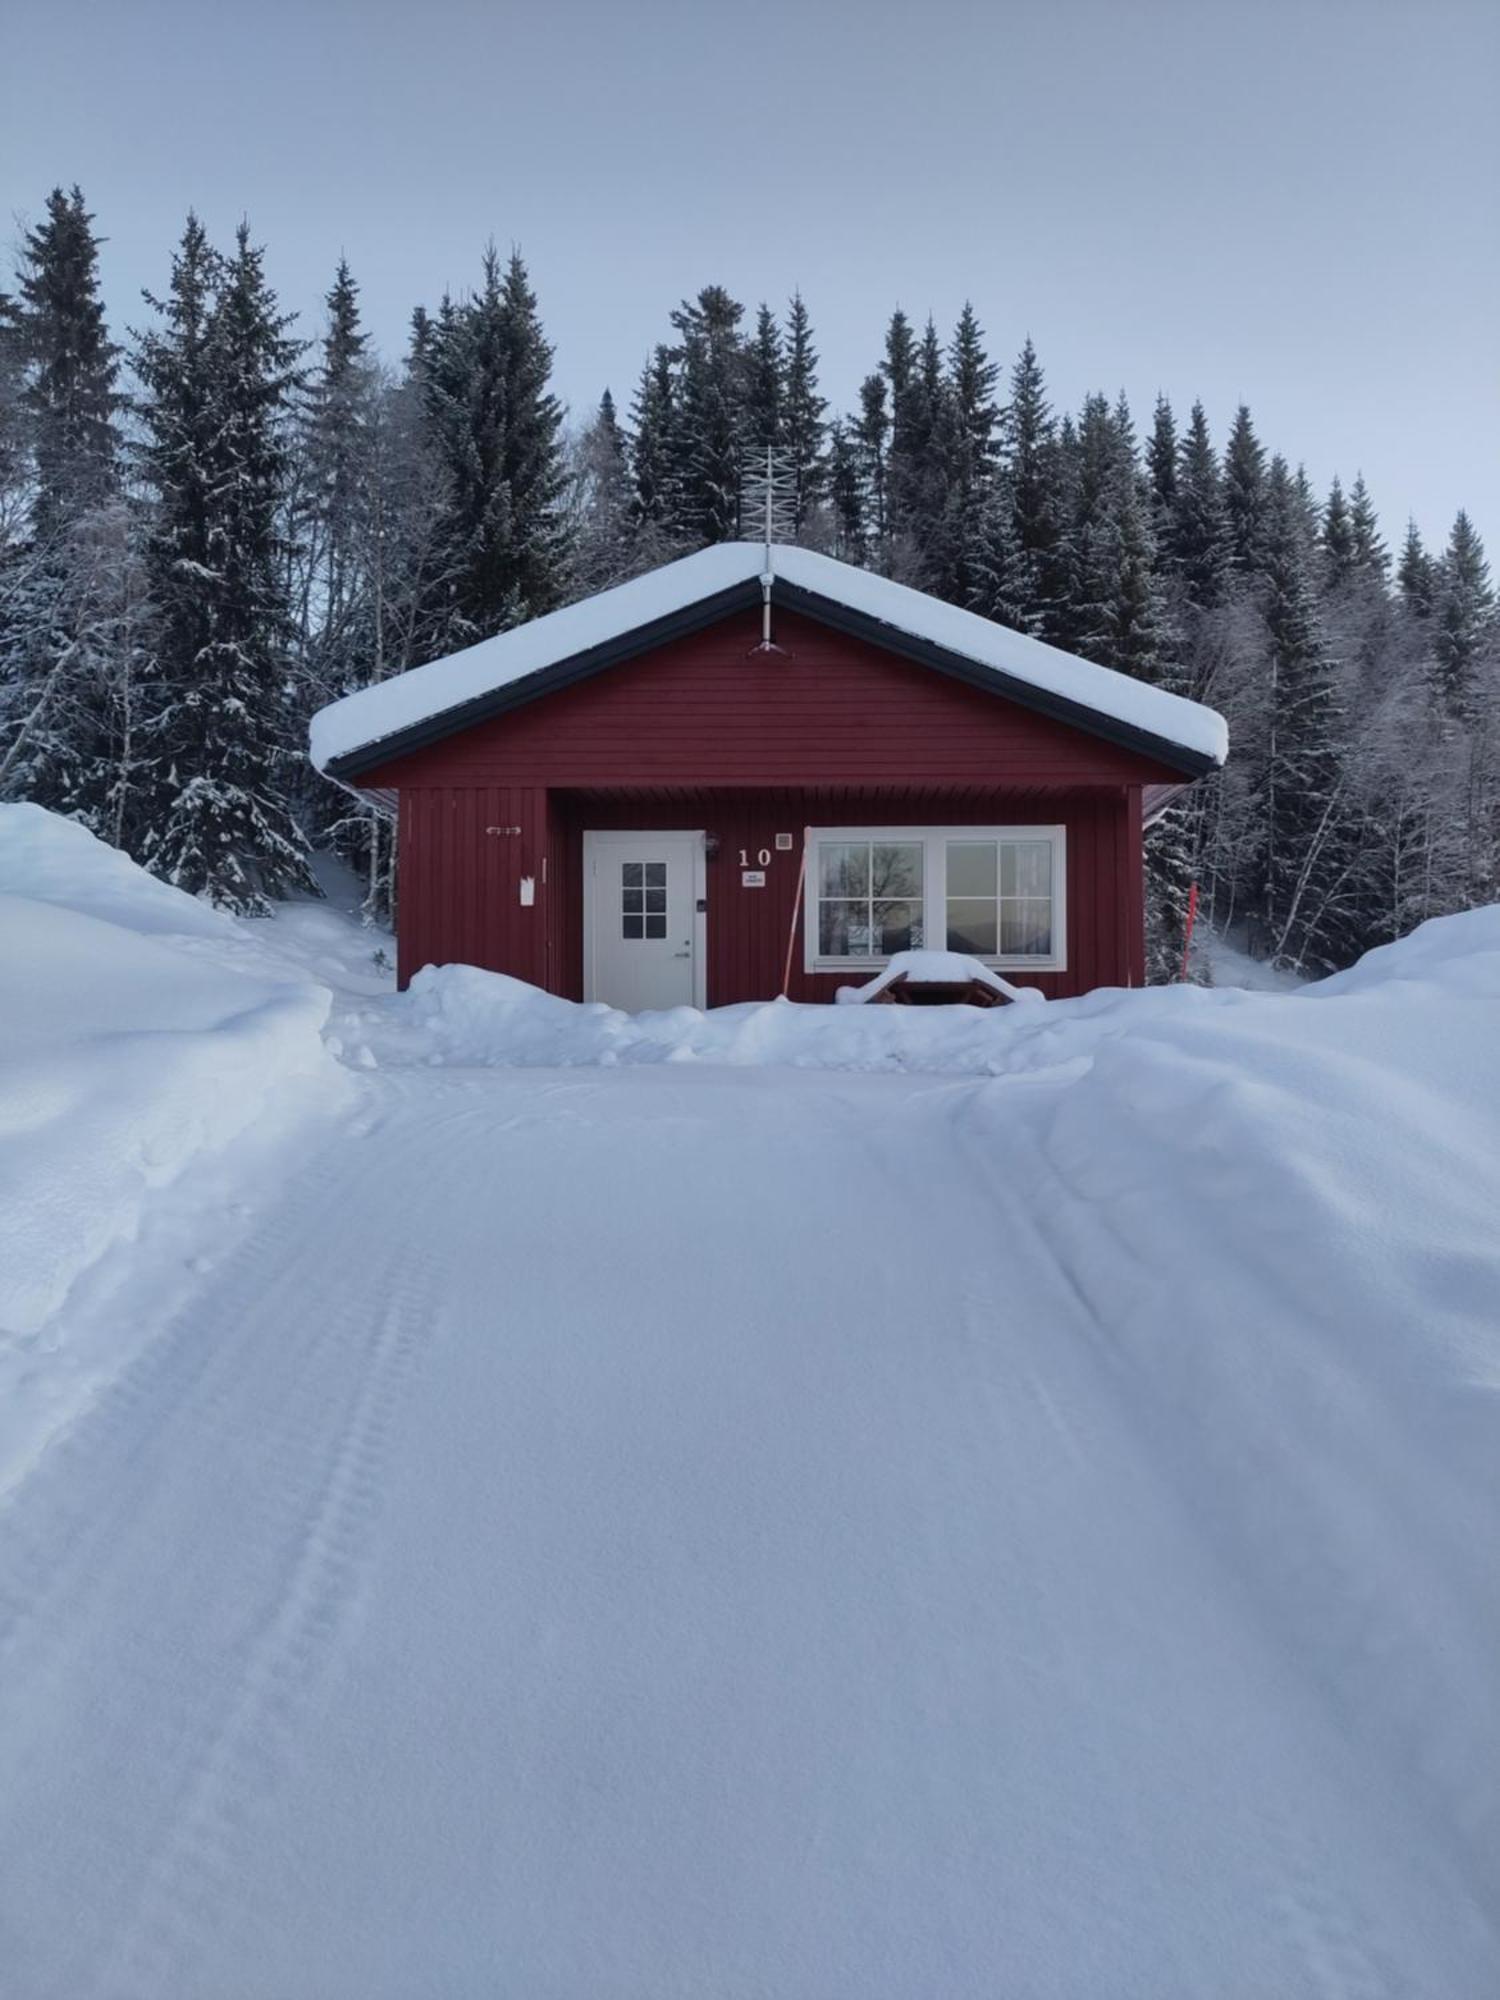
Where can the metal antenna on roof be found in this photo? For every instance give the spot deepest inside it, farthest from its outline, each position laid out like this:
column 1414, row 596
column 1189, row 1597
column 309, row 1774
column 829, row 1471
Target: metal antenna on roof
column 768, row 511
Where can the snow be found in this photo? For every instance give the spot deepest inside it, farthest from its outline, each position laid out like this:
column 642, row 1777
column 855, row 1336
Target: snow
column 1230, row 964
column 935, row 968
column 51, row 860
column 373, row 714
column 124, row 1060
column 692, row 1517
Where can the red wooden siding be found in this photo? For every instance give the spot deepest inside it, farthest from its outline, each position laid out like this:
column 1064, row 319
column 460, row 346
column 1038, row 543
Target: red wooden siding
column 460, row 881
column 708, row 733
column 830, row 710
column 747, row 928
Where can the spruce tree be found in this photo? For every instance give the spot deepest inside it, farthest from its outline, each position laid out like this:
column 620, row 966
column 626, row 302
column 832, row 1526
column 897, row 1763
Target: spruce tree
column 1094, row 485
column 1030, row 467
column 965, row 455
column 72, row 365
column 335, row 454
column 846, row 496
column 765, row 381
column 67, row 637
column 1371, row 557
column 419, row 344
column 708, row 432
column 910, row 426
column 466, row 387
column 653, row 427
column 14, row 468
column 1198, row 534
column 930, row 422
column 1336, row 539
column 605, row 541
column 1462, row 621
column 804, row 425
column 1244, row 494
column 872, row 444
column 1132, row 633
column 343, row 590
column 218, row 375
column 497, row 425
column 1416, row 575
column 998, row 572
column 532, row 462
column 1161, row 463
column 1306, row 855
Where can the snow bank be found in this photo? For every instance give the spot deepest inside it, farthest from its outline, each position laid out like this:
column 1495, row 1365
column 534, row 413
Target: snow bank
column 373, row 714
column 1456, row 951
column 456, row 1014
column 53, row 860
column 127, row 1052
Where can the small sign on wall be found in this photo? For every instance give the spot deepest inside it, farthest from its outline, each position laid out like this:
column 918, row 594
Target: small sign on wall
column 752, row 878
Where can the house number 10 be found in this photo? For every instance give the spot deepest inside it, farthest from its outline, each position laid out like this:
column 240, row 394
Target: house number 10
column 762, row 860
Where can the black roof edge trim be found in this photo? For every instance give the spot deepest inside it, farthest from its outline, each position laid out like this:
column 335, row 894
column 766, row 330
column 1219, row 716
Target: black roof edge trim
column 740, row 597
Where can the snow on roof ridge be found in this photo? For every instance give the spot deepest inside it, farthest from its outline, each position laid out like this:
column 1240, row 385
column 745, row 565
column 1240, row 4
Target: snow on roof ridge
column 372, row 715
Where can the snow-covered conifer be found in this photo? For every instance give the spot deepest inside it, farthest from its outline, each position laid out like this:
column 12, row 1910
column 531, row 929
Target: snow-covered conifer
column 1198, row 536
column 215, row 733
column 804, row 427
column 1244, row 493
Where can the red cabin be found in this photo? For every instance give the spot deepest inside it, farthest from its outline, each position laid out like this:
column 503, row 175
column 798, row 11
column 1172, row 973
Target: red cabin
column 665, row 794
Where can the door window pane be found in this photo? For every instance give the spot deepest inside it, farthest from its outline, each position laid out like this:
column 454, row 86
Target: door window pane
column 643, row 899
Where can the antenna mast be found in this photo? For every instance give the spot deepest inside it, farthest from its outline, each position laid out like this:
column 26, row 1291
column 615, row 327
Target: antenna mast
column 768, row 503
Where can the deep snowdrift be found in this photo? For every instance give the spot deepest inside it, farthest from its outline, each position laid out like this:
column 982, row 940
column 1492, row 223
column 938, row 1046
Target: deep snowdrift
column 127, row 1050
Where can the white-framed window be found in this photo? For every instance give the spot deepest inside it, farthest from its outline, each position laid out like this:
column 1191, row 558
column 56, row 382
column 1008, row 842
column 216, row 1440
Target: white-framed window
column 996, row 893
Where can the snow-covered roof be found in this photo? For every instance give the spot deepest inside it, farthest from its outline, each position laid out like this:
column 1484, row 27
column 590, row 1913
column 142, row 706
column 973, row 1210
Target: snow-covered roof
column 453, row 693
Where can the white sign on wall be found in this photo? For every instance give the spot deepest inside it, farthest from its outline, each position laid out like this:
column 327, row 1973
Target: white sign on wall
column 752, row 878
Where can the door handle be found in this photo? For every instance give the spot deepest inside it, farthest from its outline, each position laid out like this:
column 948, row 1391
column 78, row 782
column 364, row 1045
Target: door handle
column 682, row 954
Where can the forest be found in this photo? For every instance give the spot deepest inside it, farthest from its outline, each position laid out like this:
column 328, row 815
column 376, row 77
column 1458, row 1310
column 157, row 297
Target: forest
column 214, row 524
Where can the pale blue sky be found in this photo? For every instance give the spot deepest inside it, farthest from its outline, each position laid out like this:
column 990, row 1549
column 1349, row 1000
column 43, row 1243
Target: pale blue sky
column 1294, row 204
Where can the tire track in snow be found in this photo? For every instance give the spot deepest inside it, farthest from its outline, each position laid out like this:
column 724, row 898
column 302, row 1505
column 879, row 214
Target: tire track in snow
column 289, row 1416
column 194, row 1863
column 1126, row 1289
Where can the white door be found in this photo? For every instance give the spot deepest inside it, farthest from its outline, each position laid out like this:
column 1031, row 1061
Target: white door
column 643, row 922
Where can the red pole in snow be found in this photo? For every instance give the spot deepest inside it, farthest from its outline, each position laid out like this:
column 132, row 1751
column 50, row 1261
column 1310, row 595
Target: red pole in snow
column 1187, row 936
column 791, row 936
